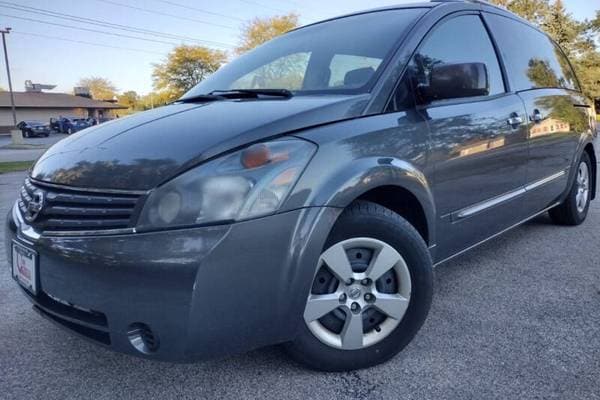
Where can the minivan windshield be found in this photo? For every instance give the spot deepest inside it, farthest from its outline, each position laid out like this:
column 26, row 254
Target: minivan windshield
column 337, row 56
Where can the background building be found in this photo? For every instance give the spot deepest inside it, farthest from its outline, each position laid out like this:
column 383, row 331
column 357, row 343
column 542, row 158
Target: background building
column 40, row 106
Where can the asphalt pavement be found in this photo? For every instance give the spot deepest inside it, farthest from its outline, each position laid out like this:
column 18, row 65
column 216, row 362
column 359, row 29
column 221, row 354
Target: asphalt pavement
column 38, row 144
column 516, row 318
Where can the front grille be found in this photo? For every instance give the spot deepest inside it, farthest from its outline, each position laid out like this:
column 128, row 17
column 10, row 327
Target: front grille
column 63, row 209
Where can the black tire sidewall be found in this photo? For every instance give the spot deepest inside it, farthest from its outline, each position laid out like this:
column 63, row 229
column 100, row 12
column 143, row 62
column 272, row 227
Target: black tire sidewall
column 397, row 232
column 580, row 216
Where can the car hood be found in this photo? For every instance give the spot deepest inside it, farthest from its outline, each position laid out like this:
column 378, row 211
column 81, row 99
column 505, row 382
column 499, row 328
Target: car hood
column 141, row 151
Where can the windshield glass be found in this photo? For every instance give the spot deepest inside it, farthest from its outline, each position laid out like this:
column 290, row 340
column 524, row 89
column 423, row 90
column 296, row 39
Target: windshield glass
column 338, row 56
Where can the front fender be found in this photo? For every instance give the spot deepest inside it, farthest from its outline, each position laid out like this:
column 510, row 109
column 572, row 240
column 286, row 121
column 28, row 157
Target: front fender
column 338, row 186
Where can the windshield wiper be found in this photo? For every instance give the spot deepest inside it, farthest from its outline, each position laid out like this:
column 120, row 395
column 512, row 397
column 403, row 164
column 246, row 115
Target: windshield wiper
column 253, row 93
column 218, row 95
column 202, row 97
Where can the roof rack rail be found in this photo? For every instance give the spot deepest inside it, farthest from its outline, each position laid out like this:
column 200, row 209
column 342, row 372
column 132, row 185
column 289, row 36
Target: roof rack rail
column 483, row 2
column 462, row 1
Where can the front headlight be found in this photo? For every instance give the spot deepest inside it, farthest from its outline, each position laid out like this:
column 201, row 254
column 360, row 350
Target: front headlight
column 248, row 183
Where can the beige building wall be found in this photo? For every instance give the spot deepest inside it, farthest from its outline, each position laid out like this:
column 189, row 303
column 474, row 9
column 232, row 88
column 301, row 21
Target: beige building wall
column 41, row 114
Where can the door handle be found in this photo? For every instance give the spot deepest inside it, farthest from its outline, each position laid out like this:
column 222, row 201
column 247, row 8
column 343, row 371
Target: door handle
column 514, row 120
column 537, row 116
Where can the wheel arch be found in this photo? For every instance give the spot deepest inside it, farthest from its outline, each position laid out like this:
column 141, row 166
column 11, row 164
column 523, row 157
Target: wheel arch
column 393, row 183
column 403, row 203
column 589, row 149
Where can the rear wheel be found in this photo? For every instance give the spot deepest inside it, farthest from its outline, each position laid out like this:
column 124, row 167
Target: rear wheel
column 574, row 209
column 371, row 293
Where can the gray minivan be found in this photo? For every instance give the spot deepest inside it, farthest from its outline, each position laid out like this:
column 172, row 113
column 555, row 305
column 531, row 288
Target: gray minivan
column 303, row 193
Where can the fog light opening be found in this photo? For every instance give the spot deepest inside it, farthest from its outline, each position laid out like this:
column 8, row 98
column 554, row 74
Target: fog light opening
column 142, row 338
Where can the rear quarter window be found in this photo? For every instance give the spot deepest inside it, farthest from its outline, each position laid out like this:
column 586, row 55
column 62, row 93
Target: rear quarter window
column 532, row 60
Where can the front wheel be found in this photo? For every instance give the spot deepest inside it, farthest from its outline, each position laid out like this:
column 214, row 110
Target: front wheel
column 574, row 209
column 370, row 295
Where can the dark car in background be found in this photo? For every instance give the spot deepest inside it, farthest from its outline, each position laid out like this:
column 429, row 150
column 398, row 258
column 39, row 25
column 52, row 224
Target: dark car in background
column 33, row 129
column 70, row 125
column 303, row 193
column 78, row 124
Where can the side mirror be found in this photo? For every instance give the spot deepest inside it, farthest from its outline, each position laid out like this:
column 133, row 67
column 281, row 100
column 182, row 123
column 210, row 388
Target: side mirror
column 453, row 81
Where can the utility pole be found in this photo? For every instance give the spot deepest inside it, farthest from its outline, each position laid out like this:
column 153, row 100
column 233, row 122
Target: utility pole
column 4, row 32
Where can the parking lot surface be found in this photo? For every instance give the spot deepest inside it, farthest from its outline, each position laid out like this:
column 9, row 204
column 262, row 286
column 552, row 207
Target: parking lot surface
column 9, row 155
column 517, row 318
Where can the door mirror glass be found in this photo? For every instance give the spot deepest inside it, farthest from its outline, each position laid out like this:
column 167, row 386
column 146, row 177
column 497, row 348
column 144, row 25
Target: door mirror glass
column 453, row 81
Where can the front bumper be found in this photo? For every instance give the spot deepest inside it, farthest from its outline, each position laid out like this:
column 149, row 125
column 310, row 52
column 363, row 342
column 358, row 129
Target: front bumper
column 204, row 292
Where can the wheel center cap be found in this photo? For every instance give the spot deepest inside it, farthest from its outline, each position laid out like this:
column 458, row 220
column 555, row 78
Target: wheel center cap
column 354, row 293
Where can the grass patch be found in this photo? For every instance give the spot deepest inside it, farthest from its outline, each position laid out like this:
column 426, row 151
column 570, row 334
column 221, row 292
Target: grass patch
column 14, row 166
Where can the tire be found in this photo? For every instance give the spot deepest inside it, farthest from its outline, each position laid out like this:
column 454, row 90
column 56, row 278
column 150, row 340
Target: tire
column 361, row 225
column 574, row 209
column 69, row 131
column 25, row 134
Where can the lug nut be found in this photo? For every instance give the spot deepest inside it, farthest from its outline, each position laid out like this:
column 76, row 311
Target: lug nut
column 343, row 298
column 369, row 297
column 355, row 307
column 366, row 282
column 350, row 281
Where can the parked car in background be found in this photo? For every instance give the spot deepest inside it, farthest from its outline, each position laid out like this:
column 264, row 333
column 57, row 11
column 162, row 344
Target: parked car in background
column 34, row 129
column 54, row 124
column 307, row 189
column 70, row 125
column 78, row 124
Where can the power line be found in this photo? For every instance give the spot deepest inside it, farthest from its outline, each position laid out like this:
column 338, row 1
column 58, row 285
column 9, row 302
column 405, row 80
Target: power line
column 87, row 29
column 166, row 14
column 97, row 22
column 199, row 10
column 88, row 43
column 97, row 30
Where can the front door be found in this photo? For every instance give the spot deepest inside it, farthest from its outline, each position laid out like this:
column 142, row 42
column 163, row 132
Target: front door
column 478, row 145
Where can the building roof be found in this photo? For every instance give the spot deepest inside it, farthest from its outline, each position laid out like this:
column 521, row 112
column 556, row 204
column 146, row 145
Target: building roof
column 53, row 100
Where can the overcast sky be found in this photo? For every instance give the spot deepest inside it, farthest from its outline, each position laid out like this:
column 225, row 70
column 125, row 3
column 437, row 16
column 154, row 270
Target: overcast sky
column 37, row 53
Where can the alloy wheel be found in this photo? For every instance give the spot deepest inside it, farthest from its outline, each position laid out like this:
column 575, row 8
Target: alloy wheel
column 360, row 294
column 583, row 187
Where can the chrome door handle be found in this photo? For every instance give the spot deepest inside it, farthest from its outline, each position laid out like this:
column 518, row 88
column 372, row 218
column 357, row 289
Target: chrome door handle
column 537, row 116
column 514, row 120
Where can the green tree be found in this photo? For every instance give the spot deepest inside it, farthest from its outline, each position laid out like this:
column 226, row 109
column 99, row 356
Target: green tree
column 564, row 29
column 129, row 99
column 185, row 67
column 100, row 88
column 261, row 30
column 535, row 11
column 154, row 99
column 595, row 23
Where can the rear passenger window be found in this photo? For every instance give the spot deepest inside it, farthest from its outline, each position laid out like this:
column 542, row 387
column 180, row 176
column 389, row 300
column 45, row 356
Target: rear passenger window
column 462, row 39
column 532, row 59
